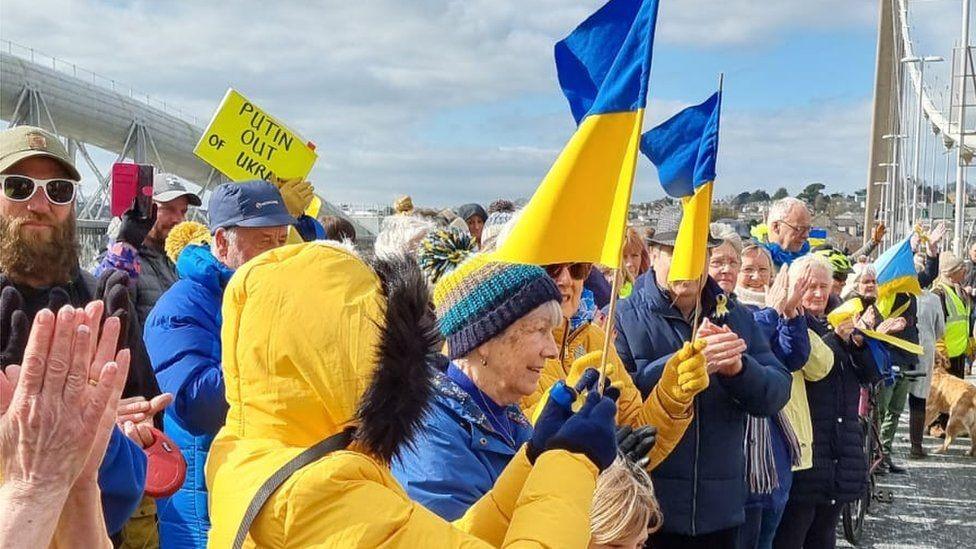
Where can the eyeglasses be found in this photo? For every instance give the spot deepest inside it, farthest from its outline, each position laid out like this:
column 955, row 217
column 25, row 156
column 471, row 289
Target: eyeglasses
column 722, row 262
column 20, row 188
column 577, row 271
column 802, row 229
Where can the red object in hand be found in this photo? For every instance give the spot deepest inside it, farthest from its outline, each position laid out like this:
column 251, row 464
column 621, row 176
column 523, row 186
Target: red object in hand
column 166, row 468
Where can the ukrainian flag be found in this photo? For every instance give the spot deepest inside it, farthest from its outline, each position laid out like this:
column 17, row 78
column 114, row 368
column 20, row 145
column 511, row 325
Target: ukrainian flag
column 579, row 211
column 896, row 271
column 684, row 148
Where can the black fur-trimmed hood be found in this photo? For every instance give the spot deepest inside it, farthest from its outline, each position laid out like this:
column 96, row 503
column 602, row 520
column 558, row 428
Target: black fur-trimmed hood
column 391, row 409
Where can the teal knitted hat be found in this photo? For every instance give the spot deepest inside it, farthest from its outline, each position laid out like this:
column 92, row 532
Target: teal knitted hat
column 482, row 297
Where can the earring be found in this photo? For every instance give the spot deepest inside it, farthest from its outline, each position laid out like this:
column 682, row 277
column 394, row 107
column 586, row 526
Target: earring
column 484, row 361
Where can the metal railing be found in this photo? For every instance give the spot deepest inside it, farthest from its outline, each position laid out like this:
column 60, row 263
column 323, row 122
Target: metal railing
column 92, row 235
column 59, row 65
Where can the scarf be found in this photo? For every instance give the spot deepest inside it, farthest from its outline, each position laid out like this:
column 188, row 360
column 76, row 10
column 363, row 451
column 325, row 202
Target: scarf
column 750, row 297
column 760, row 461
column 586, row 311
column 784, row 257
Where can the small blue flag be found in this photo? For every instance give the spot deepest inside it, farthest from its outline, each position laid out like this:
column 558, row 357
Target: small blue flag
column 684, row 148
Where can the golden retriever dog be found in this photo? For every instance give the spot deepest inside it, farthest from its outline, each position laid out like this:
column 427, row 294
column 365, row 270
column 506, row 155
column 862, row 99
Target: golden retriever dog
column 953, row 396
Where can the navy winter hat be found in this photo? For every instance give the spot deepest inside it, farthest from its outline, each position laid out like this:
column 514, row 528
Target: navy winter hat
column 247, row 204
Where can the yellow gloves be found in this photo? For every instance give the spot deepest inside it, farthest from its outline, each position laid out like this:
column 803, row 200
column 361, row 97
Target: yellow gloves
column 297, row 194
column 684, row 377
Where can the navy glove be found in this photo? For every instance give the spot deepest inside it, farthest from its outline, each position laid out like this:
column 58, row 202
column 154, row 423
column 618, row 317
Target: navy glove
column 14, row 327
column 590, row 432
column 636, row 445
column 556, row 411
column 135, row 228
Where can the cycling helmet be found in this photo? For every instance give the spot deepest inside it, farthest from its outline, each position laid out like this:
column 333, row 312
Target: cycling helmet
column 838, row 261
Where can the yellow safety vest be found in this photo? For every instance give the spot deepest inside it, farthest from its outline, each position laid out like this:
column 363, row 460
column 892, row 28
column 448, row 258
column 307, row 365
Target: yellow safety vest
column 957, row 322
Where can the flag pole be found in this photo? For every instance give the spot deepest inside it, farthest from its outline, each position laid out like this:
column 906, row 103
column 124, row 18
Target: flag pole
column 615, row 287
column 611, row 313
column 703, row 279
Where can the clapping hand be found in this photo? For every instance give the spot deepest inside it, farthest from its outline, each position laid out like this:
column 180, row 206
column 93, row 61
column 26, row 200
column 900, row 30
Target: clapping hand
column 723, row 348
column 53, row 407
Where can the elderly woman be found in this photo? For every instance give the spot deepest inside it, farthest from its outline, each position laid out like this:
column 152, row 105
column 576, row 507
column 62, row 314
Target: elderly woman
column 580, row 344
column 755, row 275
column 327, row 382
column 773, row 447
column 838, row 474
column 498, row 319
column 900, row 315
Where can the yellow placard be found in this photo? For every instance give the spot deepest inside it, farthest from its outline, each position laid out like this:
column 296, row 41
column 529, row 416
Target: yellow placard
column 244, row 142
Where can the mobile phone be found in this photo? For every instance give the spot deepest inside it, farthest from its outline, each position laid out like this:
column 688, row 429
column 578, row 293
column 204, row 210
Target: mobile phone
column 132, row 187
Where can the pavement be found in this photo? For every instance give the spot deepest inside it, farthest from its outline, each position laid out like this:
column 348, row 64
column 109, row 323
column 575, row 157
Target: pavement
column 934, row 504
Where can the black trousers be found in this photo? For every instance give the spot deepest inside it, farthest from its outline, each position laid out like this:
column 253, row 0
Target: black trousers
column 808, row 525
column 723, row 539
column 916, row 419
column 957, row 366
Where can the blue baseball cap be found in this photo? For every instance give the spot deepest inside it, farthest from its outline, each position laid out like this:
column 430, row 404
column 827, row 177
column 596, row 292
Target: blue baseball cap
column 247, row 204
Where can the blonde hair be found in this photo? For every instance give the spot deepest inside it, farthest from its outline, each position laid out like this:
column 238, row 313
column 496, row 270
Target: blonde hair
column 761, row 251
column 623, row 504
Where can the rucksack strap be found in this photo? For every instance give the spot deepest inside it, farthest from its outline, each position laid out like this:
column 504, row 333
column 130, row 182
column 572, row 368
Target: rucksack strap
column 338, row 441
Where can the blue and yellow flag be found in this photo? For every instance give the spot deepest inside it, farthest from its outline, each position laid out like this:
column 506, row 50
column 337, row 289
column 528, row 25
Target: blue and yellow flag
column 896, row 271
column 579, row 211
column 684, row 148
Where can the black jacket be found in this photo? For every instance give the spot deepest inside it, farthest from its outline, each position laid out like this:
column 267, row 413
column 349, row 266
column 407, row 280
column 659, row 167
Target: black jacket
column 839, row 472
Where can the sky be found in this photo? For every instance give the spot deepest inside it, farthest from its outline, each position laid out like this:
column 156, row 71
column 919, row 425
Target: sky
column 455, row 101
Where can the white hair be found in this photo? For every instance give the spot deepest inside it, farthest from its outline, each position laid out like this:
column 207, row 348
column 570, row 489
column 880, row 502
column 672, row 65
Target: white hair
column 401, row 235
column 815, row 262
column 782, row 208
column 726, row 233
column 853, row 279
column 507, row 229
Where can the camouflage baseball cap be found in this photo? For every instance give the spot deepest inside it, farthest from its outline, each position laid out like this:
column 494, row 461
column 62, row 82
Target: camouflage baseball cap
column 22, row 142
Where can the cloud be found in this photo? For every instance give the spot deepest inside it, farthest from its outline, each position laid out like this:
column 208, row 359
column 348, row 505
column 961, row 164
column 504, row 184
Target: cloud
column 367, row 81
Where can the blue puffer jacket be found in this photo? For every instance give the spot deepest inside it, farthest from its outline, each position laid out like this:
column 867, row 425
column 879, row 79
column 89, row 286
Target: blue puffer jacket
column 788, row 339
column 701, row 485
column 456, row 456
column 121, row 479
column 183, row 339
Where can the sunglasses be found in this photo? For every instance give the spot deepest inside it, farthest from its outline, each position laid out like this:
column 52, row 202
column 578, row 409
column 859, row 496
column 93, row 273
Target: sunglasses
column 20, row 188
column 577, row 271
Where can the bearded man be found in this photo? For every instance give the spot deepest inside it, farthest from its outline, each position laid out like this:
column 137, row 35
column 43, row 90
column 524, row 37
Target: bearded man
column 39, row 269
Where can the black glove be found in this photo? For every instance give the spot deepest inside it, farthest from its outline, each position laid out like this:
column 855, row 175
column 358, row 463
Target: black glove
column 557, row 410
column 636, row 445
column 590, row 432
column 135, row 227
column 113, row 290
column 14, row 327
column 56, row 299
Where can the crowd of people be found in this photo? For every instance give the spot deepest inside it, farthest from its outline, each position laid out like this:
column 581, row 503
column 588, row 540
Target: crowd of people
column 424, row 392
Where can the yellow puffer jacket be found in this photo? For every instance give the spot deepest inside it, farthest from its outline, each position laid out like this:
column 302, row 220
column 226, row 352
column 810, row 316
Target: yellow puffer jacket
column 304, row 328
column 631, row 408
column 797, row 410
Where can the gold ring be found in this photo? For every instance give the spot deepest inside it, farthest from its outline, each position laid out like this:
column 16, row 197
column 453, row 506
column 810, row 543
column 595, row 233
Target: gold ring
column 93, row 382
